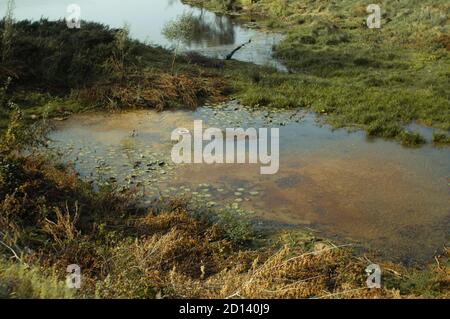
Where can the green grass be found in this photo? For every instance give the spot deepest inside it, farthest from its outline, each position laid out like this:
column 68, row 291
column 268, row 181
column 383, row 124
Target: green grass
column 19, row 281
column 377, row 80
column 440, row 139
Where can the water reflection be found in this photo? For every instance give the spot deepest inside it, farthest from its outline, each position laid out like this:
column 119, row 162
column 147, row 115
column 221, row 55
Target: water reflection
column 199, row 30
column 219, row 31
column 213, row 35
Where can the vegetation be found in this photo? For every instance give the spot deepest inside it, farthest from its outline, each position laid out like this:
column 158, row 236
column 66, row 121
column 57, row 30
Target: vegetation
column 49, row 218
column 441, row 139
column 379, row 80
column 25, row 282
column 179, row 31
column 52, row 71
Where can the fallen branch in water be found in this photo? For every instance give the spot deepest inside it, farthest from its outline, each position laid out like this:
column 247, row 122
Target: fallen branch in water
column 230, row 55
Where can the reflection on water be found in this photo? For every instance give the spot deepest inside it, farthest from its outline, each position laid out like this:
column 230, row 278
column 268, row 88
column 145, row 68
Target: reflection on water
column 213, row 35
column 215, row 31
column 392, row 199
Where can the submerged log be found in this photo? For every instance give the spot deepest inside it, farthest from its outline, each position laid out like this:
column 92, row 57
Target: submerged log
column 230, row 55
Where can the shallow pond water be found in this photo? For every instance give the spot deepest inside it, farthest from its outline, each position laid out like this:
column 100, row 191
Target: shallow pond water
column 214, row 35
column 375, row 193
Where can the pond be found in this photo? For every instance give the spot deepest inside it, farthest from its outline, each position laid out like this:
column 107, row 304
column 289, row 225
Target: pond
column 214, row 36
column 374, row 193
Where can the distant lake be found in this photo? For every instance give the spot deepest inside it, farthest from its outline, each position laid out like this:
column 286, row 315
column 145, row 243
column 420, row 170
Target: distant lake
column 214, row 36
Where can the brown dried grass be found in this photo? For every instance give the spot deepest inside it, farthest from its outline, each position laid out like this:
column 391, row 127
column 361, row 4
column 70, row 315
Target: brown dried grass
column 156, row 90
column 167, row 253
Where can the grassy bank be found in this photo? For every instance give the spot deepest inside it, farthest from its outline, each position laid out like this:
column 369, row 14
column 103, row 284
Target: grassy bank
column 379, row 80
column 50, row 219
column 50, row 70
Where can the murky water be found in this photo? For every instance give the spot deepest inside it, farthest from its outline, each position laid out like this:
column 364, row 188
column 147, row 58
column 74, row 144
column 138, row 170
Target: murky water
column 376, row 193
column 214, row 35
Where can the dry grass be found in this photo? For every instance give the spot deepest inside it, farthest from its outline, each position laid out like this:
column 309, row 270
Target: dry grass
column 106, row 70
column 49, row 218
column 176, row 256
column 157, row 90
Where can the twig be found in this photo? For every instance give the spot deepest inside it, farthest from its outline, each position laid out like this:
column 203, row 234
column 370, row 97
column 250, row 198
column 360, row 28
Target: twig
column 236, row 294
column 289, row 286
column 316, row 252
column 12, row 250
column 438, row 263
column 394, row 272
column 340, row 293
